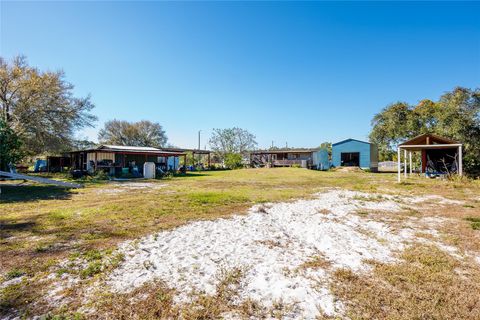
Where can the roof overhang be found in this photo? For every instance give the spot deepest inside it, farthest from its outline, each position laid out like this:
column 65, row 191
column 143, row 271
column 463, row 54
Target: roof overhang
column 196, row 151
column 427, row 139
column 419, row 147
column 283, row 151
column 159, row 153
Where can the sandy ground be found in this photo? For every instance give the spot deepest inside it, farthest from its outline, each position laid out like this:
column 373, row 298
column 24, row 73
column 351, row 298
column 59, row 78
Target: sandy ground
column 121, row 187
column 271, row 244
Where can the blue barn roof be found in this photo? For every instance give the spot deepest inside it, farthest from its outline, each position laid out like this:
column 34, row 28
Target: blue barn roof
column 348, row 140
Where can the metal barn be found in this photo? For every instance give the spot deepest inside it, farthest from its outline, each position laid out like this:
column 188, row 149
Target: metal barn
column 355, row 153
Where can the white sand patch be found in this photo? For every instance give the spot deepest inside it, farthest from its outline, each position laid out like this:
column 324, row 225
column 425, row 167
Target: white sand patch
column 189, row 257
column 116, row 187
column 11, row 282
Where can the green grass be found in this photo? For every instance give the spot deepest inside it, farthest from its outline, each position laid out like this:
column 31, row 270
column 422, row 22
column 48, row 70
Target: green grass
column 41, row 225
column 14, row 273
column 474, row 222
column 46, row 220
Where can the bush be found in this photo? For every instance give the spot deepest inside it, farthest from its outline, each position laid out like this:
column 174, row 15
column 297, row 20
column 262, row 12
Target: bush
column 100, row 175
column 233, row 161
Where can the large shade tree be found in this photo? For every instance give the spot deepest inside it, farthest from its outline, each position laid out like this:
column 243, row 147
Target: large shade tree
column 455, row 115
column 141, row 134
column 40, row 107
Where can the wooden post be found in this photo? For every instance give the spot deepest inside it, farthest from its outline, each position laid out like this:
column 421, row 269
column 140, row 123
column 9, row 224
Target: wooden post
column 398, row 162
column 95, row 164
column 209, row 160
column 405, row 162
column 123, row 162
column 424, row 161
column 460, row 160
column 410, row 158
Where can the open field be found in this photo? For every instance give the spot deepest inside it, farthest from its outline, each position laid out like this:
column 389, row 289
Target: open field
column 409, row 250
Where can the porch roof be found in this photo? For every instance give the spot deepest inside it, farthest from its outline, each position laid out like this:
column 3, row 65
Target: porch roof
column 429, row 141
column 284, row 151
column 132, row 150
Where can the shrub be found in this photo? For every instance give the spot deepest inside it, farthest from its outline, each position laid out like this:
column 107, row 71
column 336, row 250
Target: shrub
column 100, row 175
column 233, row 161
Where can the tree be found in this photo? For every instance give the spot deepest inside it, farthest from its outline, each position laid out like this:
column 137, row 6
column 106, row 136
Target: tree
column 455, row 115
column 10, row 146
column 328, row 147
column 40, row 107
column 231, row 141
column 141, row 134
column 390, row 127
column 82, row 144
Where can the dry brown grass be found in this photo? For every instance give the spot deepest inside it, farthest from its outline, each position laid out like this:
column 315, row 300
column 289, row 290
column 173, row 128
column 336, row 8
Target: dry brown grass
column 150, row 301
column 155, row 301
column 427, row 284
column 42, row 225
column 317, row 262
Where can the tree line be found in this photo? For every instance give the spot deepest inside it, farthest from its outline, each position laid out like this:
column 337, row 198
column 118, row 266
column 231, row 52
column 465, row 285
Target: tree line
column 39, row 114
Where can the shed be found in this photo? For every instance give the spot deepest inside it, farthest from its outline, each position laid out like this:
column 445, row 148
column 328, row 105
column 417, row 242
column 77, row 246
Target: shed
column 355, row 153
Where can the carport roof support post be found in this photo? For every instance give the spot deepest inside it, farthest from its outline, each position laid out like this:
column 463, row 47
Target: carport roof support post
column 410, row 158
column 460, row 160
column 398, row 162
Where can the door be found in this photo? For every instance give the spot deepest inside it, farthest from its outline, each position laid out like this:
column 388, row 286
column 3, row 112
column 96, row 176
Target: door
column 350, row 159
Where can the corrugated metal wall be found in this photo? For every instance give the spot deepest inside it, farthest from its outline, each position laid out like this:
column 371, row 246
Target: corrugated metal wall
column 320, row 159
column 100, row 156
column 352, row 146
column 373, row 157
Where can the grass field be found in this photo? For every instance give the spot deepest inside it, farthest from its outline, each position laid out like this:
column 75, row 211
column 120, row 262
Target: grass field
column 44, row 226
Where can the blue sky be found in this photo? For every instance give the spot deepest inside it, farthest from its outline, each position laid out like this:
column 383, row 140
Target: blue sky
column 301, row 73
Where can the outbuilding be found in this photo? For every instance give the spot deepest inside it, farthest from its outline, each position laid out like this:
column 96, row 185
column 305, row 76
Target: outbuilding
column 316, row 159
column 355, row 153
column 117, row 159
column 440, row 156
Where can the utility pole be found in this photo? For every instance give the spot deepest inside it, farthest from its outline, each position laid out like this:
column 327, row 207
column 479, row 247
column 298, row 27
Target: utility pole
column 199, row 139
column 199, row 155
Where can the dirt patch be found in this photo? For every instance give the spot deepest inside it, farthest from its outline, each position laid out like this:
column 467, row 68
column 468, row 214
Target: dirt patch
column 116, row 187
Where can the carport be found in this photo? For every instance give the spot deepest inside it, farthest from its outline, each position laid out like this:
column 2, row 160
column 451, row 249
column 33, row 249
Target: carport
column 434, row 152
